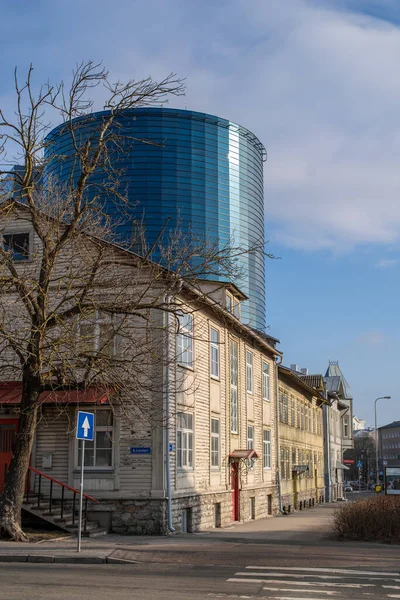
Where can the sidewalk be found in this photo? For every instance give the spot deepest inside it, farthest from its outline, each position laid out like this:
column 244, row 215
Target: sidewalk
column 303, row 533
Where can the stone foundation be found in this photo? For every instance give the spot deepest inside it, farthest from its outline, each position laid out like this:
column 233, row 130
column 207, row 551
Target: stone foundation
column 190, row 513
column 305, row 499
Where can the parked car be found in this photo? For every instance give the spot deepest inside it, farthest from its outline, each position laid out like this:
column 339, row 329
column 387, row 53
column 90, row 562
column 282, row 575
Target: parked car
column 348, row 488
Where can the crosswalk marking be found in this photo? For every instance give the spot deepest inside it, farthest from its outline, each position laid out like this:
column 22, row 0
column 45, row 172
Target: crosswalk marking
column 320, row 570
column 315, row 583
column 308, row 591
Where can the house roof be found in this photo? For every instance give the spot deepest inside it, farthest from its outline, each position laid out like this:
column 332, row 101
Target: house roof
column 390, row 425
column 315, row 381
column 11, row 394
column 245, row 453
column 334, row 377
column 297, row 379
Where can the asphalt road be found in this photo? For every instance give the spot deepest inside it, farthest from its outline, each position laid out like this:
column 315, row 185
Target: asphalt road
column 180, row 582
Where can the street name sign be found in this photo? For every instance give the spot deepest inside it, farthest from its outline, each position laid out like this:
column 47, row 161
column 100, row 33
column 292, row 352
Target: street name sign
column 85, row 426
column 140, row 450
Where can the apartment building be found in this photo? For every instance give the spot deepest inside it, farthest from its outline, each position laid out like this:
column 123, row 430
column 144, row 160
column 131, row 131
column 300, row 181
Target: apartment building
column 205, row 454
column 301, row 441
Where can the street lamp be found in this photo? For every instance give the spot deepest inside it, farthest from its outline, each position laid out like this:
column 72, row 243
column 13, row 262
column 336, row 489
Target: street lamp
column 376, row 439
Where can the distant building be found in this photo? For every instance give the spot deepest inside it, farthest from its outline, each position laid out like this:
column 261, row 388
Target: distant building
column 389, row 444
column 359, row 424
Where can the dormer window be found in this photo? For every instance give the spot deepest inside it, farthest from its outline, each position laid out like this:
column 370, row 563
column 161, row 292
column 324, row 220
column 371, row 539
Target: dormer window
column 233, row 305
column 17, row 244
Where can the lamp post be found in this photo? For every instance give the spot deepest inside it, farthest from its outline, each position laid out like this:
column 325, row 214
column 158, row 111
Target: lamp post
column 377, row 440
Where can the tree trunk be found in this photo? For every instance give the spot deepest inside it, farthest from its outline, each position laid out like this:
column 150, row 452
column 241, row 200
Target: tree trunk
column 15, row 480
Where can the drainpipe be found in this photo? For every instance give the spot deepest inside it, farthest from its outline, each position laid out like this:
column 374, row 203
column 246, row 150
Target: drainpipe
column 168, row 420
column 328, row 481
column 278, row 473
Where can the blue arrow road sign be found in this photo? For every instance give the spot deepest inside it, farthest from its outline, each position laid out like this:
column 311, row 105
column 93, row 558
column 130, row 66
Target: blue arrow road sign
column 359, row 464
column 85, row 426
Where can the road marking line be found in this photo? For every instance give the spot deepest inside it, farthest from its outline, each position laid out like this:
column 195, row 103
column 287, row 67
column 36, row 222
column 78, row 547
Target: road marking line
column 237, row 580
column 296, row 575
column 323, row 584
column 393, row 596
column 391, row 587
column 330, row 593
column 320, row 570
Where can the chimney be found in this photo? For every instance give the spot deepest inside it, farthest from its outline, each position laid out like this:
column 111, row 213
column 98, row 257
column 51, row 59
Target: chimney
column 304, row 371
column 294, row 367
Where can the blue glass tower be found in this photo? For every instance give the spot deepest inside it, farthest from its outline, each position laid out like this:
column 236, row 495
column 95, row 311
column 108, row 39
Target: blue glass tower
column 202, row 173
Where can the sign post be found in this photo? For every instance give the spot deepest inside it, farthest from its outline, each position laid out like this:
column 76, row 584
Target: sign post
column 84, row 431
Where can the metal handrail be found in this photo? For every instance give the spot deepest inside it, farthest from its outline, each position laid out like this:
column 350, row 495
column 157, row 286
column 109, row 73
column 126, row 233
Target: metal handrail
column 64, row 487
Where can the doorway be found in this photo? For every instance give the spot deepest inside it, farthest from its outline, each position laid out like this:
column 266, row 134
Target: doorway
column 235, row 491
column 8, row 430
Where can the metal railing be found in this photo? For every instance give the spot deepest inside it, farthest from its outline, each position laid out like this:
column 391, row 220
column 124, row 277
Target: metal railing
column 41, row 501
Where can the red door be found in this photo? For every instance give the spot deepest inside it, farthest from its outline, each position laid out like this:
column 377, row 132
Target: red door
column 235, row 490
column 8, row 428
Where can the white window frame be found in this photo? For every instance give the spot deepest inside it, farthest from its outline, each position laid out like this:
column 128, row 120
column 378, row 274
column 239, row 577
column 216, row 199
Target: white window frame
column 267, row 449
column 265, row 380
column 98, row 429
column 214, row 353
column 215, row 443
column 249, row 372
column 185, row 341
column 250, row 444
column 184, row 441
column 234, row 384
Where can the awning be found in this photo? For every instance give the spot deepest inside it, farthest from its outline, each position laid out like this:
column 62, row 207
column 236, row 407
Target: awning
column 340, row 466
column 11, row 393
column 246, row 454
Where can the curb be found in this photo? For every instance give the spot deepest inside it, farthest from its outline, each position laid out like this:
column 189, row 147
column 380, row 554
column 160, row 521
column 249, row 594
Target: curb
column 78, row 560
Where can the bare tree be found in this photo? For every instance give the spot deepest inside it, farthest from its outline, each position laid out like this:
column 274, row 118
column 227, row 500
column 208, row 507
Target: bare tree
column 83, row 312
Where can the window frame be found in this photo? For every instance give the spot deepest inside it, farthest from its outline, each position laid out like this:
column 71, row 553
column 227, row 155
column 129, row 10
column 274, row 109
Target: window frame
column 182, row 336
column 234, row 386
column 216, row 437
column 12, row 232
column 265, row 381
column 183, row 447
column 250, row 445
column 249, row 372
column 100, row 429
column 215, row 347
column 96, row 324
column 267, row 445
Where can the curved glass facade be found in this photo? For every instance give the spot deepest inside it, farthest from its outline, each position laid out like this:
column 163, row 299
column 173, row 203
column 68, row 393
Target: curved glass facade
column 201, row 173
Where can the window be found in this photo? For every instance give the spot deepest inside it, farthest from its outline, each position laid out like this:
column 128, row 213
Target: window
column 249, row 372
column 234, row 373
column 265, row 380
column 17, row 244
column 285, row 408
column 214, row 353
column 250, row 443
column 280, row 405
column 184, row 439
column 267, row 449
column 346, row 427
column 99, row 452
column 185, row 340
column 282, row 464
column 215, row 443
column 287, row 461
column 97, row 334
column 229, row 303
column 236, row 308
column 294, row 457
column 293, row 414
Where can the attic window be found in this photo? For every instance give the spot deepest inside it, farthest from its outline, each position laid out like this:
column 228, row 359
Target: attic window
column 17, row 244
column 233, row 305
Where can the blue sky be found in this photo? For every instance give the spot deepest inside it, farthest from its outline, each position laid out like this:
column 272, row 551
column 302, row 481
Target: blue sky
column 318, row 82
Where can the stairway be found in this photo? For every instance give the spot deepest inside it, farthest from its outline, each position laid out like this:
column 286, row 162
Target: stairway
column 61, row 511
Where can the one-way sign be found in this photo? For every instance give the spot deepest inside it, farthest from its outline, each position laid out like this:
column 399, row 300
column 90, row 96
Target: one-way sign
column 85, row 426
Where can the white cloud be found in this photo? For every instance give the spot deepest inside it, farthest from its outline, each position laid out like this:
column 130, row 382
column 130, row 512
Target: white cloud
column 372, row 338
column 387, row 263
